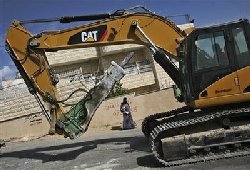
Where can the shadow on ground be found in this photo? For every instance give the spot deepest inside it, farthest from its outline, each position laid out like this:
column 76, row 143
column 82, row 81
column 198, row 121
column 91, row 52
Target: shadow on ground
column 71, row 151
column 149, row 161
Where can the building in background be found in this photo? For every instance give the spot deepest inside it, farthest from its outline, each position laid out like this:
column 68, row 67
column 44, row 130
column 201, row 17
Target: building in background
column 87, row 65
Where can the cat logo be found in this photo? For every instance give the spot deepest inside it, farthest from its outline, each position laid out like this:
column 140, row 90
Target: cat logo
column 90, row 36
column 95, row 34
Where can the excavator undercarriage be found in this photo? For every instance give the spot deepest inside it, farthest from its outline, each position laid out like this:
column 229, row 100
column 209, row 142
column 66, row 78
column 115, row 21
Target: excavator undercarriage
column 182, row 137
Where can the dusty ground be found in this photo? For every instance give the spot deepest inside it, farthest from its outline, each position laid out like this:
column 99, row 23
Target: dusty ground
column 106, row 148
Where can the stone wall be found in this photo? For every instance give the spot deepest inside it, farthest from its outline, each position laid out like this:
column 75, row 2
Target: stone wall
column 20, row 115
column 16, row 103
column 164, row 80
column 108, row 115
column 71, row 56
column 116, row 49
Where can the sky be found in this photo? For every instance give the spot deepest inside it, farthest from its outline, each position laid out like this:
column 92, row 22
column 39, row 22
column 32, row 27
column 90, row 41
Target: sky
column 204, row 13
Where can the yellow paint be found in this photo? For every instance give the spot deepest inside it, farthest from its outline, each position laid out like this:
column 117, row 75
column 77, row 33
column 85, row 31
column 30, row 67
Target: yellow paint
column 219, row 93
column 224, row 86
column 221, row 100
column 244, row 78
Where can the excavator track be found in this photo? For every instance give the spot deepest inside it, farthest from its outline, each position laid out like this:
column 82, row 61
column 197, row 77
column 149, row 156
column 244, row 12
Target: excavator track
column 149, row 122
column 172, row 124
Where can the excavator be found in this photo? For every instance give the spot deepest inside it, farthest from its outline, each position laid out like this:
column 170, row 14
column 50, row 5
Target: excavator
column 211, row 79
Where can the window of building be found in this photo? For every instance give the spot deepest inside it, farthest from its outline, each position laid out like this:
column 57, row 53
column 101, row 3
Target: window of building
column 144, row 66
column 138, row 67
column 130, row 68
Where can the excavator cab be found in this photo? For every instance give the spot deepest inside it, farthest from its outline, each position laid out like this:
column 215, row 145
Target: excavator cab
column 214, row 69
column 214, row 65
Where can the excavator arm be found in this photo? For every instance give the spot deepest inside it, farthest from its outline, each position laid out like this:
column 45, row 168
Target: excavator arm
column 121, row 27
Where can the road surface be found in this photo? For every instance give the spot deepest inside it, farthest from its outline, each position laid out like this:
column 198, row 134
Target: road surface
column 97, row 149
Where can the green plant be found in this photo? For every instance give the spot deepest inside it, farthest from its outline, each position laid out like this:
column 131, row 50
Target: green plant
column 118, row 90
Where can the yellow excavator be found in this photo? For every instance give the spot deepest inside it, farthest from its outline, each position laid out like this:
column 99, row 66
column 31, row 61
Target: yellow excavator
column 212, row 80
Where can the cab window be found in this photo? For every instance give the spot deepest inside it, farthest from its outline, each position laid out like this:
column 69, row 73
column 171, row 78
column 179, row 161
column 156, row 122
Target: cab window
column 240, row 46
column 211, row 50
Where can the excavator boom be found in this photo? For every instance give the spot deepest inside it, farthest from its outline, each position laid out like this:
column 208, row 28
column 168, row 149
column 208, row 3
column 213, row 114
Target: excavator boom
column 121, row 27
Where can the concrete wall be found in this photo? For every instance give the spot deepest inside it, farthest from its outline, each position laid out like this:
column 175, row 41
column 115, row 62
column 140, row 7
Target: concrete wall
column 107, row 115
column 24, row 128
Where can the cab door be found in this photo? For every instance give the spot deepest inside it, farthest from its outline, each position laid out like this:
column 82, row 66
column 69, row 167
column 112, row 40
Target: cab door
column 214, row 72
column 241, row 46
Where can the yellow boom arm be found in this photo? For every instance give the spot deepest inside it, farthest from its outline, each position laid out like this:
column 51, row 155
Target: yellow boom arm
column 28, row 51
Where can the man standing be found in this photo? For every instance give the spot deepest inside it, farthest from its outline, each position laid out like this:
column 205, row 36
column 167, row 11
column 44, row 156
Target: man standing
column 128, row 122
